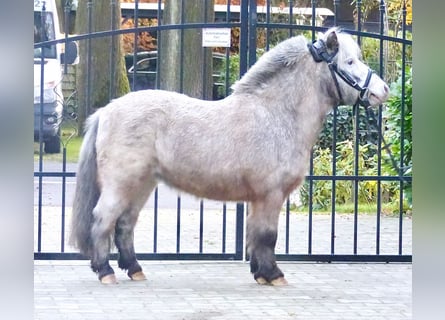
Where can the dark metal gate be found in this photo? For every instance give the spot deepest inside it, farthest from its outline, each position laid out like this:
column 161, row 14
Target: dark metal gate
column 176, row 226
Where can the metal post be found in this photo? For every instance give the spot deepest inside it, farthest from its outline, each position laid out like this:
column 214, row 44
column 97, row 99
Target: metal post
column 112, row 84
column 243, row 43
column 135, row 44
column 253, row 20
column 359, row 20
column 336, row 10
column 42, row 85
column 402, row 129
column 314, row 6
column 239, row 241
column 89, row 53
column 67, row 9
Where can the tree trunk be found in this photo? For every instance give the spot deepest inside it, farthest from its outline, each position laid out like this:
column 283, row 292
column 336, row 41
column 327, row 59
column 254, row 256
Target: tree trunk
column 185, row 66
column 101, row 76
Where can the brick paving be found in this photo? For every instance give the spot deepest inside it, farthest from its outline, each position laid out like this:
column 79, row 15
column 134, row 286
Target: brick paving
column 194, row 290
column 220, row 290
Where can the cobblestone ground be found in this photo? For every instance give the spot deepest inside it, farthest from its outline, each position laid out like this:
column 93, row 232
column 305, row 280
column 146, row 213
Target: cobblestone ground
column 225, row 290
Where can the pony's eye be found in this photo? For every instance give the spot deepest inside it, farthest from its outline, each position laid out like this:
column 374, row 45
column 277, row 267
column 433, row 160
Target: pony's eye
column 350, row 61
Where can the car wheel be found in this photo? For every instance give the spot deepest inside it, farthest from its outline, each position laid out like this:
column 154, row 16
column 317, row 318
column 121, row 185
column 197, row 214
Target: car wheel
column 53, row 144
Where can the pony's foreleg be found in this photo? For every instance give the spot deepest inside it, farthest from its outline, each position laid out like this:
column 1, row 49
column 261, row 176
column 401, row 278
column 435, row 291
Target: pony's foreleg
column 262, row 230
column 124, row 240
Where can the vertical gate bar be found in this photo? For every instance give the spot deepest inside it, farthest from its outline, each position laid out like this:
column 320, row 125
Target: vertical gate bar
column 287, row 224
column 201, row 224
column 243, row 39
column 267, row 25
column 334, row 151
column 379, row 183
column 313, row 6
column 357, row 141
column 178, row 224
column 62, row 241
column 224, row 228
column 42, row 82
column 382, row 10
column 356, row 111
column 253, row 22
column 227, row 57
column 155, row 222
column 311, row 170
column 239, row 237
column 379, row 128
column 291, row 17
column 135, row 44
column 310, row 213
column 66, row 15
column 112, row 88
column 89, row 53
column 334, row 181
column 402, row 128
column 204, row 65
column 65, row 71
column 336, row 11
column 181, row 57
column 359, row 21
column 158, row 37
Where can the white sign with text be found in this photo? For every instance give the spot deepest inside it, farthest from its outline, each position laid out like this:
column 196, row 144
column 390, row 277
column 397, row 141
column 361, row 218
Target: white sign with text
column 216, row 37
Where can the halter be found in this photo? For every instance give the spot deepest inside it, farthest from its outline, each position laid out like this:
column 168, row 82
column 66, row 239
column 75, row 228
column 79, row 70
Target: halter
column 319, row 53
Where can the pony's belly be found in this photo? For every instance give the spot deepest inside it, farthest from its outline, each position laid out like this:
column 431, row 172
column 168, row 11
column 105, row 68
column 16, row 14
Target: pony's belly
column 217, row 188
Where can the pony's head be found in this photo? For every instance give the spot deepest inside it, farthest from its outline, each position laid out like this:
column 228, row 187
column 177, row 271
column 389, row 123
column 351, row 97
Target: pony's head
column 354, row 80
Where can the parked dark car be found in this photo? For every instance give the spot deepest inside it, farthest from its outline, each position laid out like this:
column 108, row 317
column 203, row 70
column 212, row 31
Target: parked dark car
column 145, row 77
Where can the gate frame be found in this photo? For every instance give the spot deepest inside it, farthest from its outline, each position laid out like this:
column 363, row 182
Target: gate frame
column 248, row 25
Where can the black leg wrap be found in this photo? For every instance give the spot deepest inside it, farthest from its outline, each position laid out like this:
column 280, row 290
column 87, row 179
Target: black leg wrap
column 267, row 270
column 103, row 270
column 125, row 263
column 253, row 264
column 129, row 264
column 262, row 258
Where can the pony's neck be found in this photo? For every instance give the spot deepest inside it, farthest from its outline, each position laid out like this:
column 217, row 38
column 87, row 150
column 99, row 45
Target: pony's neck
column 291, row 85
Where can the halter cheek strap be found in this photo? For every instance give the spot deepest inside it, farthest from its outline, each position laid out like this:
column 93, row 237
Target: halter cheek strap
column 319, row 52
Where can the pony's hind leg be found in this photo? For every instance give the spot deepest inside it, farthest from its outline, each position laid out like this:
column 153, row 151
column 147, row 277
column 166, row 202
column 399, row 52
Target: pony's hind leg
column 124, row 230
column 124, row 240
column 105, row 214
column 262, row 230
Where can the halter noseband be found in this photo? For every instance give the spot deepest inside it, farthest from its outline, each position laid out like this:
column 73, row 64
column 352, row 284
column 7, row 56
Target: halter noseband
column 319, row 53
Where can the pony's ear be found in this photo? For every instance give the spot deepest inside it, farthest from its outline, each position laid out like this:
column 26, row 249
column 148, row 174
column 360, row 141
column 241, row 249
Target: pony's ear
column 332, row 42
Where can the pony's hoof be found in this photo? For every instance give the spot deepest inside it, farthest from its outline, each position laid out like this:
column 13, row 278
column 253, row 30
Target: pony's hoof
column 108, row 279
column 279, row 282
column 275, row 282
column 261, row 280
column 138, row 276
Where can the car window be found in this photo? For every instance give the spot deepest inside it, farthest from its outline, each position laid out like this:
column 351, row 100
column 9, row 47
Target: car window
column 146, row 65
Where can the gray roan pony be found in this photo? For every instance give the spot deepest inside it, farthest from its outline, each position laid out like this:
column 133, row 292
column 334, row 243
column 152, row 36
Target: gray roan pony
column 252, row 146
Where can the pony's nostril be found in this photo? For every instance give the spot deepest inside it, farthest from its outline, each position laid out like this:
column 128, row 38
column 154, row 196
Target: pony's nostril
column 386, row 88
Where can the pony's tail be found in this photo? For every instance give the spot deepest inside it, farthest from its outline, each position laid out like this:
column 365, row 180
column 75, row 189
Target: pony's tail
column 87, row 190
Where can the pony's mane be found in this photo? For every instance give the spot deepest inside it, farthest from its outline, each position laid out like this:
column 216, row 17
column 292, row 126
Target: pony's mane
column 284, row 55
